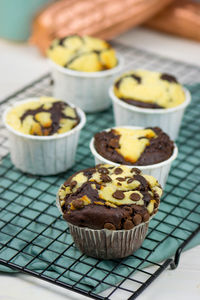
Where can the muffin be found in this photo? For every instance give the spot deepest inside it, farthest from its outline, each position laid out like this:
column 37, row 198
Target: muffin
column 145, row 98
column 83, row 68
column 43, row 117
column 85, row 54
column 108, row 209
column 150, row 149
column 43, row 134
column 148, row 89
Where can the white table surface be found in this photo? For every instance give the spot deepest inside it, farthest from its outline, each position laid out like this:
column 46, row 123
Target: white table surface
column 19, row 65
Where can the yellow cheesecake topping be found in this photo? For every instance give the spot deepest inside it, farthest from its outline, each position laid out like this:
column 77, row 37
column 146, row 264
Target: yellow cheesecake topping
column 43, row 116
column 133, row 142
column 115, row 186
column 156, row 90
column 86, row 54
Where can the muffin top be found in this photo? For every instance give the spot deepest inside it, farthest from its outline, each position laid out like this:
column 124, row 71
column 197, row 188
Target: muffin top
column 138, row 147
column 109, row 197
column 86, row 54
column 43, row 117
column 148, row 89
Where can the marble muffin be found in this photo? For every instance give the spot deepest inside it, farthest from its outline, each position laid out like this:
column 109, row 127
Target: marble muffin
column 137, row 147
column 82, row 53
column 108, row 197
column 147, row 89
column 44, row 116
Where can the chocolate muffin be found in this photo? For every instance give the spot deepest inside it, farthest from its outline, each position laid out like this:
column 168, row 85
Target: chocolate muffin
column 137, row 147
column 43, row 117
column 110, row 199
column 147, row 89
column 86, row 54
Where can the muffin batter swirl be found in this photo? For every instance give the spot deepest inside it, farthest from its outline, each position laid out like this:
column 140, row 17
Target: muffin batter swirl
column 109, row 197
column 137, row 147
column 43, row 117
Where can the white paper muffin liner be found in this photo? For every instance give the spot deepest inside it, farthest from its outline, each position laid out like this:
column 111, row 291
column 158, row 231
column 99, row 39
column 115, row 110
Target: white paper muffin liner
column 160, row 170
column 168, row 119
column 87, row 90
column 43, row 155
column 107, row 244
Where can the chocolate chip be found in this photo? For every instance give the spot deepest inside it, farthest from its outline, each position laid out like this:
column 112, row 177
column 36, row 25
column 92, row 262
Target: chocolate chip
column 146, row 217
column 89, row 172
column 114, row 143
column 103, row 170
column 137, row 219
column 105, row 178
column 120, row 178
column 138, row 209
column 109, row 226
column 119, row 183
column 156, row 196
column 118, row 195
column 130, row 180
column 128, row 224
column 146, row 197
column 168, row 78
column 155, row 205
column 73, row 184
column 78, row 203
column 135, row 170
column 118, row 171
column 135, row 197
column 128, row 209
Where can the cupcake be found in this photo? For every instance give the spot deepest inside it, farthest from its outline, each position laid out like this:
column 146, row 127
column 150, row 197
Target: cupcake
column 146, row 98
column 83, row 68
column 108, row 209
column 150, row 149
column 43, row 134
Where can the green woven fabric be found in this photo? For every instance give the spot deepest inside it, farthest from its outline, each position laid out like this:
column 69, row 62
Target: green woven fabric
column 33, row 234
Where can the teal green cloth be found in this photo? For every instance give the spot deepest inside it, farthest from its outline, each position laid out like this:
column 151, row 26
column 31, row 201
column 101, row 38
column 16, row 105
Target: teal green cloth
column 32, row 216
column 16, row 17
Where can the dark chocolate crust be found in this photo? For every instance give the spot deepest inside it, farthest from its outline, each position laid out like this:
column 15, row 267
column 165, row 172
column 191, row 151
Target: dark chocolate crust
column 104, row 216
column 159, row 149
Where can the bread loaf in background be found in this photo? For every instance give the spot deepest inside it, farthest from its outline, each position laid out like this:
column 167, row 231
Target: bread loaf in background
column 181, row 18
column 100, row 18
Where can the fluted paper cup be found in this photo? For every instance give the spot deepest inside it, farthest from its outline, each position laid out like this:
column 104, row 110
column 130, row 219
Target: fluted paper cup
column 87, row 90
column 107, row 244
column 160, row 170
column 168, row 119
column 44, row 155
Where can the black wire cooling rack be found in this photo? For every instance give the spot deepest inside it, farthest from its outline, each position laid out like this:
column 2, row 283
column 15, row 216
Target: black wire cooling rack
column 35, row 240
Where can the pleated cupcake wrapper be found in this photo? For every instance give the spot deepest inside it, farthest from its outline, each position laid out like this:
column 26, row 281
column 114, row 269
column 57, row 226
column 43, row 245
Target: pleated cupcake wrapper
column 44, row 155
column 87, row 90
column 107, row 244
column 160, row 170
column 169, row 119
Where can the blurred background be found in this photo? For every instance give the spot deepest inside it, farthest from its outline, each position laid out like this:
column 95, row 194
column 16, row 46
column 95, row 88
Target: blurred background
column 40, row 21
column 27, row 27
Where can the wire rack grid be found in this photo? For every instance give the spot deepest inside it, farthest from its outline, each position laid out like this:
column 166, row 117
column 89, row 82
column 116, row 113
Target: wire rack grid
column 35, row 240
